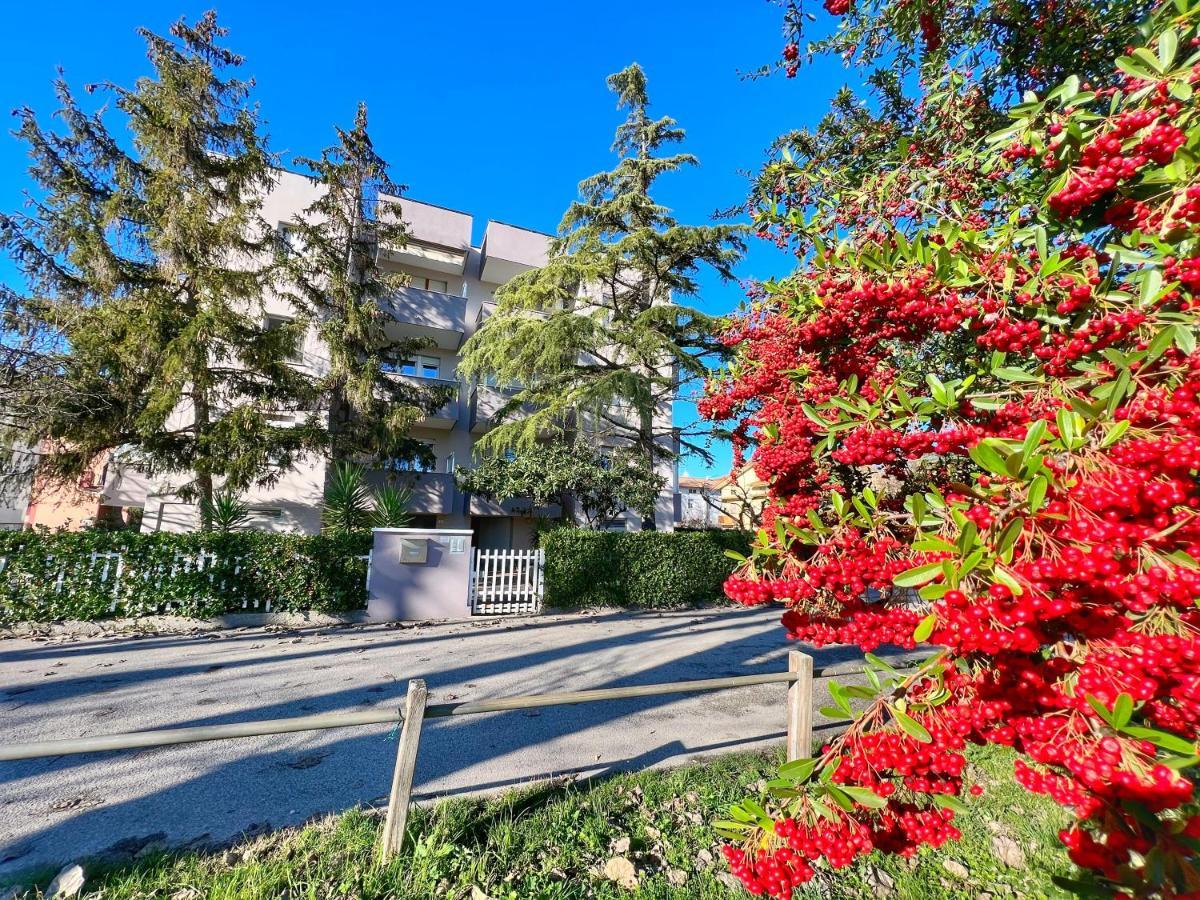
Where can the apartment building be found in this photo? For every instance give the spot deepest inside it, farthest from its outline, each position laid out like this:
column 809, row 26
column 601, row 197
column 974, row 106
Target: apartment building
column 451, row 293
column 700, row 502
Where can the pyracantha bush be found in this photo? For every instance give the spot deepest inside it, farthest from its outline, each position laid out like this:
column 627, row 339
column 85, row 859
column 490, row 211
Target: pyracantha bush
column 981, row 432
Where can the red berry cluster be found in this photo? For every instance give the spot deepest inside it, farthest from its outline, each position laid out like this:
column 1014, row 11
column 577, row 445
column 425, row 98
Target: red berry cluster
column 1048, row 511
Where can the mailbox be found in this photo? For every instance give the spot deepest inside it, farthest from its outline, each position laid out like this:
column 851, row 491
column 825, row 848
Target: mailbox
column 414, row 551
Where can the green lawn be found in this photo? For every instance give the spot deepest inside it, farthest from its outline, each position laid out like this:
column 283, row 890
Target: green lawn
column 554, row 841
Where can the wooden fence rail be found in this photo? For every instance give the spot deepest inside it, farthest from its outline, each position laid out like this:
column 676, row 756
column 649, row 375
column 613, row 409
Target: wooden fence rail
column 799, row 678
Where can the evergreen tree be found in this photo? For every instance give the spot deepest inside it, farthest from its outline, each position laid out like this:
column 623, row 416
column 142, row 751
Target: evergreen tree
column 595, row 339
column 146, row 268
column 344, row 291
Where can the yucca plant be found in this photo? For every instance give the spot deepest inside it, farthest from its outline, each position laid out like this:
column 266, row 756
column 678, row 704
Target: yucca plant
column 391, row 507
column 347, row 500
column 225, row 512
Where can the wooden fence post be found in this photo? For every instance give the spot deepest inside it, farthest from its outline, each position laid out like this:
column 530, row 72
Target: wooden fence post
column 800, row 706
column 406, row 761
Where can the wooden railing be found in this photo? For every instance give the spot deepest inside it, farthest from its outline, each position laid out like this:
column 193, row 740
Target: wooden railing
column 799, row 678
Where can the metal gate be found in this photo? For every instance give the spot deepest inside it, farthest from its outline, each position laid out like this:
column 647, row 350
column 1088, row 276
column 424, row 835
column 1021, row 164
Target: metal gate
column 506, row 582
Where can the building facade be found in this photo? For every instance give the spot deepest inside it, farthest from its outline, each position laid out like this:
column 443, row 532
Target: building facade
column 743, row 496
column 450, row 294
column 700, row 502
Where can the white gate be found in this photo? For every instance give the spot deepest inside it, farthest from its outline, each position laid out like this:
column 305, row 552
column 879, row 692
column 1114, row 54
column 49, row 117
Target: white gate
column 506, row 582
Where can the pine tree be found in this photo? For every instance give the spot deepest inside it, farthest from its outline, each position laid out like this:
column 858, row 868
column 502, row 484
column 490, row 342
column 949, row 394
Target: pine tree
column 597, row 339
column 146, row 268
column 344, row 291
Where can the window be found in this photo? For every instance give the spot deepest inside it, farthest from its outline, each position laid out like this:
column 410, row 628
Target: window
column 287, row 237
column 266, row 512
column 450, row 464
column 418, row 366
column 414, row 465
column 276, row 321
column 441, row 285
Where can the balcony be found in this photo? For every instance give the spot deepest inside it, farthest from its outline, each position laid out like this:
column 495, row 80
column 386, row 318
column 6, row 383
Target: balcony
column 508, row 251
column 433, row 493
column 446, row 416
column 485, row 405
column 441, row 318
column 480, row 506
column 439, row 239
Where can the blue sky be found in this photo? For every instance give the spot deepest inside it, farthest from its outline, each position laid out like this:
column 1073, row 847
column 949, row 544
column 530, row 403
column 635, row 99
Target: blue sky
column 498, row 109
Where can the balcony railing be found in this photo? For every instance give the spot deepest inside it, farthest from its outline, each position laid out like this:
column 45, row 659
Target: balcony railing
column 430, row 314
column 445, row 416
column 485, row 405
column 433, row 493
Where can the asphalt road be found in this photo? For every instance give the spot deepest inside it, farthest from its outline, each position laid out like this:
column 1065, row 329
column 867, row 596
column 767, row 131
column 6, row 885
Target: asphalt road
column 58, row 810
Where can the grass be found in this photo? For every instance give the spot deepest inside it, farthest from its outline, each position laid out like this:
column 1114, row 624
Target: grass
column 552, row 841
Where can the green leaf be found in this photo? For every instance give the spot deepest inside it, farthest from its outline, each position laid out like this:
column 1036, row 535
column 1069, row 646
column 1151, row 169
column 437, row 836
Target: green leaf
column 1122, row 711
column 1168, row 44
column 798, row 770
column 838, row 694
column 911, row 726
column 988, row 458
column 1163, row 739
column 925, row 628
column 949, row 801
column 1018, row 375
column 1037, row 492
column 918, row 575
column 1101, row 710
column 864, row 796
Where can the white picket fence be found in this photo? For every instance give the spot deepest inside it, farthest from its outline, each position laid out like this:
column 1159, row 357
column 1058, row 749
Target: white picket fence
column 506, row 582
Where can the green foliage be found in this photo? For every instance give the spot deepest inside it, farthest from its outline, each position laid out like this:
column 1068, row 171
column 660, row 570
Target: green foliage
column 50, row 577
column 225, row 511
column 646, row 569
column 336, row 279
column 347, row 500
column 549, row 842
column 391, row 507
column 136, row 286
column 351, row 505
column 602, row 485
column 607, row 295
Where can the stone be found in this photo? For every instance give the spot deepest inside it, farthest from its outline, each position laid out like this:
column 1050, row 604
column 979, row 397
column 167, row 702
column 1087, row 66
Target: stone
column 880, row 882
column 955, row 868
column 1008, row 852
column 67, row 883
column 704, row 859
column 677, row 876
column 621, row 846
column 478, row 894
column 621, row 870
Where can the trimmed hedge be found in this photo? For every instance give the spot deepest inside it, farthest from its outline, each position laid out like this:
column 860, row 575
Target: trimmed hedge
column 56, row 576
column 652, row 569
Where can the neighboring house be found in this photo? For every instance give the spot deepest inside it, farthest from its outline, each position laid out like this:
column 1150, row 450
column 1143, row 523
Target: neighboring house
column 106, row 493
column 16, row 485
column 700, row 502
column 450, row 295
column 743, row 496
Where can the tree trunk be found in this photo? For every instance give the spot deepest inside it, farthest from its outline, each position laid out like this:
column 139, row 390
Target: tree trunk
column 201, row 419
column 646, row 440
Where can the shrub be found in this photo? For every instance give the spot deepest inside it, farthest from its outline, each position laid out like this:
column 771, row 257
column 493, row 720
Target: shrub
column 94, row 575
column 647, row 568
column 1018, row 380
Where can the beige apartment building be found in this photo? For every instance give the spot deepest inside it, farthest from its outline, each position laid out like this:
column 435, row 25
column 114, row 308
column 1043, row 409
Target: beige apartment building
column 450, row 294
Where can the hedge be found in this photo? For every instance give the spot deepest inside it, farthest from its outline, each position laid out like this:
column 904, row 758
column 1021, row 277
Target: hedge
column 641, row 568
column 93, row 575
